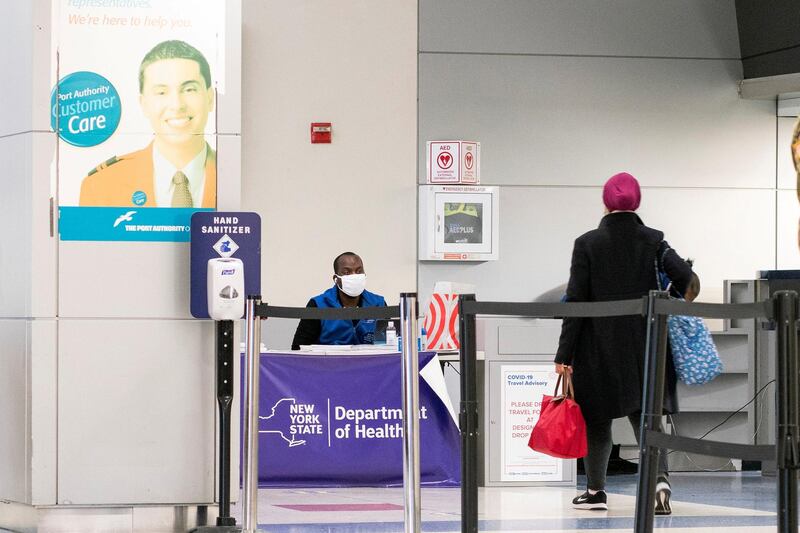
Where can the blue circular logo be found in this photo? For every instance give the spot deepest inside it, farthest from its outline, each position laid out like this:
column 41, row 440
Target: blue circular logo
column 139, row 198
column 84, row 109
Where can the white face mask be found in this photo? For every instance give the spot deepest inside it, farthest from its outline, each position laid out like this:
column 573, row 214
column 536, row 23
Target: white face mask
column 353, row 285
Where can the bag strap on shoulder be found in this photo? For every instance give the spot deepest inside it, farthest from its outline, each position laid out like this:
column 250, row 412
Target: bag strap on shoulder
column 661, row 252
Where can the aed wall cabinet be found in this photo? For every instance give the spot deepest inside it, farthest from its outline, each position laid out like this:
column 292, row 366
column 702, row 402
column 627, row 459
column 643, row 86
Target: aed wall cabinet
column 459, row 223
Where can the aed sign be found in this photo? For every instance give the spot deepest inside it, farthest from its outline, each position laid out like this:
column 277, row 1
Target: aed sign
column 453, row 162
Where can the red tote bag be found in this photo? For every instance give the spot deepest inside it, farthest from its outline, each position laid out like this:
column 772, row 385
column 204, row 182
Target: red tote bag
column 560, row 430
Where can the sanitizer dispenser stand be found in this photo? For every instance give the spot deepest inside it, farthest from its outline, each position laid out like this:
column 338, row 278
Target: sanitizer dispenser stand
column 223, row 245
column 225, row 304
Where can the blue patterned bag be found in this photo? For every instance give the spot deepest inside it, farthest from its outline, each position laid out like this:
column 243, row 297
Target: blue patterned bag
column 693, row 351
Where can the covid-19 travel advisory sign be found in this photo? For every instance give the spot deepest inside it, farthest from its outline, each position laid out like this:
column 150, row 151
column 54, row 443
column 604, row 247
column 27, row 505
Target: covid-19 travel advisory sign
column 133, row 99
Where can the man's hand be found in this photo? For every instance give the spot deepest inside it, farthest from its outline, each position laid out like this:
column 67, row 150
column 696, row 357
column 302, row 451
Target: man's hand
column 560, row 369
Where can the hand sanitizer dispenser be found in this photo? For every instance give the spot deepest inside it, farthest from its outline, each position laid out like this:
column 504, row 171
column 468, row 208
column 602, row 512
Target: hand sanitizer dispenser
column 225, row 289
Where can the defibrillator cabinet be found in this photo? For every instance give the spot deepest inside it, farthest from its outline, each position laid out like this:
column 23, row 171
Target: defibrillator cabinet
column 459, row 223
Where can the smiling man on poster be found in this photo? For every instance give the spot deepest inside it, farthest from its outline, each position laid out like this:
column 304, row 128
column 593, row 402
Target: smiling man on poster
column 177, row 169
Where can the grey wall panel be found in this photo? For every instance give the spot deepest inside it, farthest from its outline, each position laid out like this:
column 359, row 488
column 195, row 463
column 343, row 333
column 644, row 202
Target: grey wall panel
column 229, row 172
column 540, row 337
column 359, row 73
column 622, row 432
column 277, row 333
column 26, row 54
column 729, row 232
column 16, row 152
column 788, row 230
column 538, row 226
column 726, row 393
column 16, row 56
column 736, row 430
column 136, row 411
column 124, row 279
column 229, row 101
column 734, row 352
column 43, row 407
column 577, row 120
column 15, row 391
column 28, row 256
column 44, row 68
column 44, row 230
column 679, row 28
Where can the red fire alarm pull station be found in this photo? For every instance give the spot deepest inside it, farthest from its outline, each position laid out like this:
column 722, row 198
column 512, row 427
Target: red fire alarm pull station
column 320, row 132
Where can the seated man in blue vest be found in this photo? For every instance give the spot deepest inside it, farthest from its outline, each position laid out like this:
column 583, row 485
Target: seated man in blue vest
column 349, row 281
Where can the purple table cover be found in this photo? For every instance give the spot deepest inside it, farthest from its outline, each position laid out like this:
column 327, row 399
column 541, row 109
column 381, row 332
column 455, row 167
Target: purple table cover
column 336, row 421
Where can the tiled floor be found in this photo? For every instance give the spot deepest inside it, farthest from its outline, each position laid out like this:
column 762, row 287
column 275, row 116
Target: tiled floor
column 718, row 502
column 701, row 502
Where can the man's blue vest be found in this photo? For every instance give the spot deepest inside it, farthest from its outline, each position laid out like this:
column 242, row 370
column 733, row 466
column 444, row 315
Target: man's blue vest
column 343, row 331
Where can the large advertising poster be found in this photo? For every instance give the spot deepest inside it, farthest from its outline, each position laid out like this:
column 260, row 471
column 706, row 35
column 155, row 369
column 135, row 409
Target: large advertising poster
column 134, row 106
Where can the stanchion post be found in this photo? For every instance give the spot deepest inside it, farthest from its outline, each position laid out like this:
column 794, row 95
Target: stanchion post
column 468, row 418
column 224, row 355
column 224, row 401
column 251, row 397
column 652, row 404
column 410, row 381
column 788, row 409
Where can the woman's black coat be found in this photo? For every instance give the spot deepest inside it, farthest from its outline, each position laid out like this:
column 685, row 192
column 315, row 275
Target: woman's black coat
column 617, row 261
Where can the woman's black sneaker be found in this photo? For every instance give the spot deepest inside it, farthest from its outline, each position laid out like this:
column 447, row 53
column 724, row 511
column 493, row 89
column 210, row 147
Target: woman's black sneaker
column 663, row 493
column 591, row 502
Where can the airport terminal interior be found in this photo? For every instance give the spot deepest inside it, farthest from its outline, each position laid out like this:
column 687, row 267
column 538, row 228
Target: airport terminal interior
column 186, row 180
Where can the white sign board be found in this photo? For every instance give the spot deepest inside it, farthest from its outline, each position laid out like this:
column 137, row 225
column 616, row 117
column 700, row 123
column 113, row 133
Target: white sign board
column 455, row 162
column 522, row 388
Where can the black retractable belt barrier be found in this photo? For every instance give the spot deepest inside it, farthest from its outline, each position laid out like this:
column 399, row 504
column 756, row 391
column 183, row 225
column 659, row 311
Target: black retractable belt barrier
column 468, row 308
column 468, row 416
column 637, row 306
column 265, row 310
column 784, row 309
column 652, row 399
column 656, row 306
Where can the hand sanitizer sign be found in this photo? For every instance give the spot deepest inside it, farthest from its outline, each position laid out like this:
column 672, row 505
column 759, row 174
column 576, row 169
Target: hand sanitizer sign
column 223, row 235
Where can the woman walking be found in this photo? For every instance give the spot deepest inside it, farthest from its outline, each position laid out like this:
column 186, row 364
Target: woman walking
column 616, row 261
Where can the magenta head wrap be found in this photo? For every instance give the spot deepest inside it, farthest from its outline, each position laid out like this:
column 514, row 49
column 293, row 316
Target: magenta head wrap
column 621, row 193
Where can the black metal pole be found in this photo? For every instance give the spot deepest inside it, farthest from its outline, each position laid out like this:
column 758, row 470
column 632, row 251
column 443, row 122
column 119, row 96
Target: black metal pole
column 224, row 400
column 468, row 418
column 224, row 354
column 788, row 409
column 652, row 401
